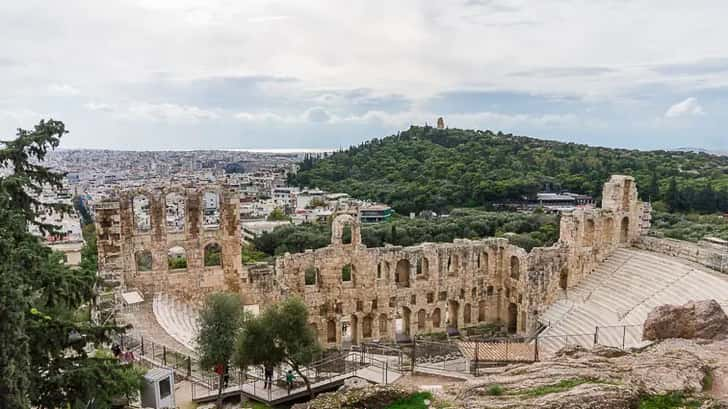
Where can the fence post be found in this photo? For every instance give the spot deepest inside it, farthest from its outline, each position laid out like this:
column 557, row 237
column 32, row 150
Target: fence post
column 535, row 351
column 164, row 355
column 142, row 345
column 624, row 335
column 507, row 349
column 596, row 335
column 477, row 357
column 414, row 354
column 189, row 366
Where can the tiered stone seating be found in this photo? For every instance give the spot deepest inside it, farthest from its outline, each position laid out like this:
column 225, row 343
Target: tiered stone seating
column 178, row 319
column 621, row 292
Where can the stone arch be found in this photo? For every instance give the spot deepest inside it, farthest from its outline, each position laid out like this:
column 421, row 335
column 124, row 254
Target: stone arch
column 143, row 259
column 609, row 230
column 453, row 264
column 467, row 310
column 481, row 311
column 421, row 320
column 624, row 230
column 515, row 268
column 211, row 210
column 564, row 278
column 383, row 325
column 512, row 318
column 489, row 291
column 366, row 326
column 331, row 331
column 342, row 222
column 177, row 258
column 453, row 312
column 402, row 273
column 483, row 262
column 175, row 208
column 353, row 330
column 213, row 255
column 436, row 318
column 403, row 322
column 141, row 213
column 589, row 232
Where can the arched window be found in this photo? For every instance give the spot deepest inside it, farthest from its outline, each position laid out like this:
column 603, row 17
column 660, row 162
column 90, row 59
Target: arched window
column 347, row 272
column 436, row 319
column 466, row 313
column 140, row 210
column 213, row 255
column 383, row 324
column 331, row 331
column 515, row 268
column 310, row 275
column 211, row 210
column 177, row 258
column 481, row 311
column 175, row 212
column 624, row 231
column 346, row 234
column 366, row 326
column 143, row 260
column 402, row 273
column 421, row 319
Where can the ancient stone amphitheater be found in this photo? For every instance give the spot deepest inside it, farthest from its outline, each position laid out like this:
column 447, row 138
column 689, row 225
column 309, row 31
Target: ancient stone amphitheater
column 597, row 283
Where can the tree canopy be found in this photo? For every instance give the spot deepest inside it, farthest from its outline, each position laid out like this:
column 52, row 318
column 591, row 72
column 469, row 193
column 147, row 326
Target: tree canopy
column 43, row 341
column 424, row 168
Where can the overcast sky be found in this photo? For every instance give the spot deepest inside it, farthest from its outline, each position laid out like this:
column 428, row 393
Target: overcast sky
column 180, row 74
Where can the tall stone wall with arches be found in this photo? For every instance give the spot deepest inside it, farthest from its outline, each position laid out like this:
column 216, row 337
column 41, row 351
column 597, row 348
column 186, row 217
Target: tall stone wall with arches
column 179, row 240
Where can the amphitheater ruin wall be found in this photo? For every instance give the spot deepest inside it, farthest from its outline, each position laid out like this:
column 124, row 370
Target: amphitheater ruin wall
column 355, row 293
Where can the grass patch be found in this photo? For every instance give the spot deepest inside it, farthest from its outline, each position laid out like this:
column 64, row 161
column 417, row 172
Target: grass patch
column 414, row 401
column 561, row 386
column 668, row 401
column 494, row 390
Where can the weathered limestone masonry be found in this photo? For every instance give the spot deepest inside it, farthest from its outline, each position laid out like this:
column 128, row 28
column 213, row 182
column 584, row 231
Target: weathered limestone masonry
column 123, row 245
column 710, row 252
column 355, row 293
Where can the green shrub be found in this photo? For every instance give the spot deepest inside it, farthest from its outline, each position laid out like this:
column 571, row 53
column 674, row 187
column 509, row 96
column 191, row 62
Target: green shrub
column 494, row 390
column 668, row 401
column 414, row 401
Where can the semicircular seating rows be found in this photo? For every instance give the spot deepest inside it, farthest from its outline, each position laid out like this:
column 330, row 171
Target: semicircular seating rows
column 619, row 294
column 177, row 318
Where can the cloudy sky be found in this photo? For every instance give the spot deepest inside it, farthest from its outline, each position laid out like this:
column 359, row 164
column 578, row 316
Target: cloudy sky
column 180, row 74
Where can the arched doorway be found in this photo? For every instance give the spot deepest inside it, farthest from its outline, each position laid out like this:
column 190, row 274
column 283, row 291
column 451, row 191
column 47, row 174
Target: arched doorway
column 402, row 322
column 421, row 320
column 466, row 313
column 589, row 233
column 624, row 230
column 383, row 325
column 331, row 331
column 452, row 314
column 515, row 268
column 481, row 311
column 564, row 278
column 609, row 230
column 436, row 319
column 512, row 318
column 366, row 327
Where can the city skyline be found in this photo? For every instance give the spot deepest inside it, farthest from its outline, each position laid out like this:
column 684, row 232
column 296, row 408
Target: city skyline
column 158, row 74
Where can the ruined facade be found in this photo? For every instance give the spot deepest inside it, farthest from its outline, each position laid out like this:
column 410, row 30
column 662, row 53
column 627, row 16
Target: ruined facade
column 182, row 241
column 355, row 293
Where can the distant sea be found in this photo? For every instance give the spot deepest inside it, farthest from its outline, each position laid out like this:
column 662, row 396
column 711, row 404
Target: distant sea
column 284, row 150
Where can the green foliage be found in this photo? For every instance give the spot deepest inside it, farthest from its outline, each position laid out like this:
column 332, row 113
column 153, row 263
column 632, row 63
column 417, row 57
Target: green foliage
column 691, row 227
column 280, row 334
column 219, row 322
column 176, row 263
column 346, row 273
column 250, row 254
column 494, row 390
column 414, row 401
column 310, row 275
column 278, row 215
column 213, row 255
column 427, row 168
column 668, row 401
column 44, row 331
column 532, row 229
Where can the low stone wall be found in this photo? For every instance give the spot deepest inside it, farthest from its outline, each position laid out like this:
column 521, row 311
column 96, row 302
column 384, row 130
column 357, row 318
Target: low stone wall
column 710, row 254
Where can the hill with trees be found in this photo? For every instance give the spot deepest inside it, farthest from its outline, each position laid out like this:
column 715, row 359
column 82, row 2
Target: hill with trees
column 424, row 168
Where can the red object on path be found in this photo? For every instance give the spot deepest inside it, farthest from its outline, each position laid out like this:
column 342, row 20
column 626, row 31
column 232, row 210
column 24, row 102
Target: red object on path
column 219, row 369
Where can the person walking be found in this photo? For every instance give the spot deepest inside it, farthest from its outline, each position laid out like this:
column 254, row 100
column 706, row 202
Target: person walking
column 289, row 380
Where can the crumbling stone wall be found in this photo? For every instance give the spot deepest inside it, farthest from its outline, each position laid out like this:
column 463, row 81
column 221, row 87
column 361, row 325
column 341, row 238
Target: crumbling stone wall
column 121, row 244
column 710, row 252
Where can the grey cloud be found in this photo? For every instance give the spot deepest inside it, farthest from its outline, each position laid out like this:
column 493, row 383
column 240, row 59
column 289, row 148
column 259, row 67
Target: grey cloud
column 558, row 72
column 318, row 114
column 705, row 66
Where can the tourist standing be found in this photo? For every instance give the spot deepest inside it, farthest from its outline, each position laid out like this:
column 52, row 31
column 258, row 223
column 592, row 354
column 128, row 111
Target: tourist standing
column 268, row 374
column 289, row 380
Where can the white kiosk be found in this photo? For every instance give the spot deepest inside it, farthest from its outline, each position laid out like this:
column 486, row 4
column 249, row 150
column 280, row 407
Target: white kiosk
column 158, row 390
